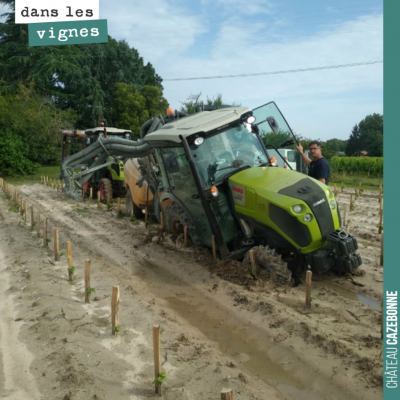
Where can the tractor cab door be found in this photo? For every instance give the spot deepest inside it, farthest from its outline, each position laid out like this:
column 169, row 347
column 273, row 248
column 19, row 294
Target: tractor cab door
column 272, row 123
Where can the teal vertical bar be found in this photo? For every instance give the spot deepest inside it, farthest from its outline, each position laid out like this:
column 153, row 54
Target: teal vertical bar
column 391, row 147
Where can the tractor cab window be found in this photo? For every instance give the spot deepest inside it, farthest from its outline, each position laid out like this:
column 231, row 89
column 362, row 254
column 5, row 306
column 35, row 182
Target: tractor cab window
column 177, row 169
column 232, row 149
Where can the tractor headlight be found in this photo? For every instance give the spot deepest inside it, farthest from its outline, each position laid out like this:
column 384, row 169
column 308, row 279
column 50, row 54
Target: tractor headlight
column 332, row 204
column 307, row 218
column 297, row 209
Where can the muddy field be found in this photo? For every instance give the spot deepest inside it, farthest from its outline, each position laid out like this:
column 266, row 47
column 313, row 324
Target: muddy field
column 221, row 327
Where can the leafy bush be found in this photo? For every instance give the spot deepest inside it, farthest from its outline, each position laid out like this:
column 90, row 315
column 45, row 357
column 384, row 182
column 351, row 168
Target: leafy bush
column 13, row 156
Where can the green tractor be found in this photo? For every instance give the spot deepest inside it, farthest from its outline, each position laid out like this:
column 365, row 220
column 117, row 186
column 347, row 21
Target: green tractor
column 211, row 172
column 108, row 178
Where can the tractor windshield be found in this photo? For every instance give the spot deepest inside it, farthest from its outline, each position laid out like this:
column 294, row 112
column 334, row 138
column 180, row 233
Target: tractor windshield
column 227, row 151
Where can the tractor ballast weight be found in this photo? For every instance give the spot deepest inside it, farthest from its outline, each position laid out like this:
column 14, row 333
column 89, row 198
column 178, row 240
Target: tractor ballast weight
column 211, row 172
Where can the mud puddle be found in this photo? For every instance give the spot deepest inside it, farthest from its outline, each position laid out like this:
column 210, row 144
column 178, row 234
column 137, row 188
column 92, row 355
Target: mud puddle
column 349, row 294
column 234, row 339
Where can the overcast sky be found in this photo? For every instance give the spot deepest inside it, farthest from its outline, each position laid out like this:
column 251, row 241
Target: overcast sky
column 185, row 39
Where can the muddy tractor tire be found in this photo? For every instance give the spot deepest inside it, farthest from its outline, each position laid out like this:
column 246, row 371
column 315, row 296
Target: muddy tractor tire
column 176, row 219
column 137, row 211
column 106, row 192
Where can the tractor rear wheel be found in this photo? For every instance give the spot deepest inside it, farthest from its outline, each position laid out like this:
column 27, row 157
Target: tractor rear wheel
column 105, row 189
column 137, row 211
column 176, row 218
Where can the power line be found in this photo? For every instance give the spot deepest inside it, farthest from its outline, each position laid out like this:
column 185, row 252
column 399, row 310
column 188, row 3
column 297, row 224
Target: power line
column 276, row 72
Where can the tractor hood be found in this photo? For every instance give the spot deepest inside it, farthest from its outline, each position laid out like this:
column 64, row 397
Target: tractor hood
column 299, row 208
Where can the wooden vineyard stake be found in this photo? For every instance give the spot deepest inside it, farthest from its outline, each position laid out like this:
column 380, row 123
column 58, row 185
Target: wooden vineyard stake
column 351, row 202
column 145, row 216
column 308, row 289
column 185, row 235
column 157, row 359
column 32, row 219
column 380, row 194
column 162, row 220
column 91, row 195
column 38, row 224
column 21, row 209
column 98, row 199
column 87, row 281
column 380, row 226
column 56, row 247
column 25, row 211
column 214, row 249
column 227, row 394
column 344, row 217
column 381, row 258
column 45, row 232
column 70, row 265
column 253, row 263
column 115, row 310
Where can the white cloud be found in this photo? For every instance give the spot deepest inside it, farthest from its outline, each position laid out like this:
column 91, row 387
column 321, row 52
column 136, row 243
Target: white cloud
column 216, row 38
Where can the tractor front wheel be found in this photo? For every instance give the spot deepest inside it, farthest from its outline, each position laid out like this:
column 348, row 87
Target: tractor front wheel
column 176, row 219
column 105, row 189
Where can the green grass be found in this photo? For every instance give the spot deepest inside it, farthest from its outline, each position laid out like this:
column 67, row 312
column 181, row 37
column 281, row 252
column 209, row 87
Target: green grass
column 52, row 172
column 353, row 180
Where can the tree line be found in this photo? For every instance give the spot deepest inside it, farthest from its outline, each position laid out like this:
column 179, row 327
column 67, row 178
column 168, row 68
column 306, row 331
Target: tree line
column 47, row 88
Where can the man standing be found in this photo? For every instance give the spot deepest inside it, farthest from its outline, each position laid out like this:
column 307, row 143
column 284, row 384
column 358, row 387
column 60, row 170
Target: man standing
column 319, row 167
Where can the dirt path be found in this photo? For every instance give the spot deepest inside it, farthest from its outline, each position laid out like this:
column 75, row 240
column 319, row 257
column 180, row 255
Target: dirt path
column 220, row 326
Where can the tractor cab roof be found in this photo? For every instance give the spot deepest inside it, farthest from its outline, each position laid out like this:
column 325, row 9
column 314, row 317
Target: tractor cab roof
column 204, row 122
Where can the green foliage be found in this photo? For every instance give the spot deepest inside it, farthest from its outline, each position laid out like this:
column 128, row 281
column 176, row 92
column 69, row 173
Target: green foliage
column 29, row 130
column 14, row 155
column 275, row 138
column 117, row 328
column 90, row 290
column 367, row 165
column 367, row 136
column 121, row 214
column 132, row 107
column 71, row 270
column 193, row 101
column 160, row 378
